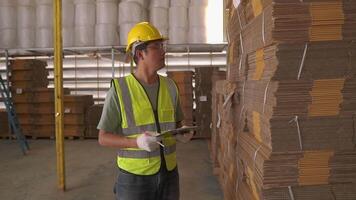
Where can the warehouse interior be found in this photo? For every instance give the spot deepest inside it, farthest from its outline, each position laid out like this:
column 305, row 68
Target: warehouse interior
column 270, row 85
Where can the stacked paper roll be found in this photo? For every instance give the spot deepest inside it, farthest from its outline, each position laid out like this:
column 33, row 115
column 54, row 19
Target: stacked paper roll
column 143, row 3
column 106, row 20
column 84, row 22
column 68, row 23
column 26, row 18
column 44, row 23
column 180, row 3
column 197, row 24
column 159, row 15
column 178, row 23
column 7, row 24
column 130, row 13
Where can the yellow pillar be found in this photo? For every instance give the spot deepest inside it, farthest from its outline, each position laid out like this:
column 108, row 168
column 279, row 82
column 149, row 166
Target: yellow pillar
column 58, row 91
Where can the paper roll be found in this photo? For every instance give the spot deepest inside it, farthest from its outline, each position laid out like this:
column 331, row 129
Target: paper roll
column 8, row 38
column 159, row 3
column 197, row 35
column 84, row 36
column 106, row 12
column 177, row 35
column 84, row 14
column 129, row 12
column 183, row 3
column 7, row 17
column 197, row 16
column 106, row 35
column 26, row 17
column 199, row 2
column 124, row 30
column 26, row 38
column 44, row 15
column 25, row 2
column 68, row 13
column 68, row 36
column 178, row 17
column 44, row 37
column 159, row 17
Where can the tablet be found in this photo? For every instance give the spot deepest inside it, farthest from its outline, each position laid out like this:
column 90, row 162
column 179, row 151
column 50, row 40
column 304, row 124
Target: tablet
column 181, row 130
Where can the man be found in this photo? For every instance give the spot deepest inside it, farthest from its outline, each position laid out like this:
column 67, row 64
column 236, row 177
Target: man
column 137, row 107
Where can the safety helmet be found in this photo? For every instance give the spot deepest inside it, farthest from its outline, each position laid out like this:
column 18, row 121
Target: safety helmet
column 143, row 32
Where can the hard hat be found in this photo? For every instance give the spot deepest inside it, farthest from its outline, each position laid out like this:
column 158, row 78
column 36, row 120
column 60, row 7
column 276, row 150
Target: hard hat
column 143, row 32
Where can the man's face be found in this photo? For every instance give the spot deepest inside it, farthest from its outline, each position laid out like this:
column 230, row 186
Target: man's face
column 154, row 56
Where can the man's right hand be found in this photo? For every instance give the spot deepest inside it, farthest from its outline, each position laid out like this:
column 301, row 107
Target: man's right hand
column 147, row 142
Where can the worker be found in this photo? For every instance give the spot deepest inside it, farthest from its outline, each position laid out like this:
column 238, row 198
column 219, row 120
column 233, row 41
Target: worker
column 137, row 107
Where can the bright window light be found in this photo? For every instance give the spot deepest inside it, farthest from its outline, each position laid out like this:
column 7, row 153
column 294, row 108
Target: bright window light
column 214, row 21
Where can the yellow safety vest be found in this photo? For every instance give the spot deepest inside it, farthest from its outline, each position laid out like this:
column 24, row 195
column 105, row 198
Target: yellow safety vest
column 138, row 116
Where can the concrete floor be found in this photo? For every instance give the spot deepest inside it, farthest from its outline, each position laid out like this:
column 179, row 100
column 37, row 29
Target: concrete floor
column 90, row 171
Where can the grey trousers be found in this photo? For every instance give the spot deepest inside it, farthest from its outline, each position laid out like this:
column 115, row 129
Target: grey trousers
column 161, row 186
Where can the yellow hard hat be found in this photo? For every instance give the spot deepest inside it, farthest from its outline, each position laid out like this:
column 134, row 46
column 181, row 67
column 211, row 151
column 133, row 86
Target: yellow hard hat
column 143, row 32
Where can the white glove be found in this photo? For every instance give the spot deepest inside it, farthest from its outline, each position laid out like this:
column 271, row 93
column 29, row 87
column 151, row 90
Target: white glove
column 147, row 142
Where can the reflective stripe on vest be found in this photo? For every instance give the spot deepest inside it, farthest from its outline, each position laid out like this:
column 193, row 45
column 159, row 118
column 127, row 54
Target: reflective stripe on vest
column 137, row 116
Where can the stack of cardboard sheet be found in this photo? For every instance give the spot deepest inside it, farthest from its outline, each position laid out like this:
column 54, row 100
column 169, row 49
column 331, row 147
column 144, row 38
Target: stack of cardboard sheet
column 184, row 81
column 266, row 22
column 75, row 109
column 4, row 124
column 34, row 102
column 92, row 118
column 295, row 65
column 28, row 74
column 216, row 103
column 321, row 102
column 227, row 137
column 204, row 79
column 276, row 21
column 300, row 168
column 203, row 86
column 35, row 111
column 224, row 138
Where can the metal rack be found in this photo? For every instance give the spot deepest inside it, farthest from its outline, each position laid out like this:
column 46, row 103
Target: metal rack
column 100, row 64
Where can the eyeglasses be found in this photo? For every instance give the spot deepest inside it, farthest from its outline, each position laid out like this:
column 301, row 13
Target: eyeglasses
column 157, row 46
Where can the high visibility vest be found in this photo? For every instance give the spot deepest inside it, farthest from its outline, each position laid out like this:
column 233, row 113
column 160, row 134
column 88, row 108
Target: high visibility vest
column 138, row 116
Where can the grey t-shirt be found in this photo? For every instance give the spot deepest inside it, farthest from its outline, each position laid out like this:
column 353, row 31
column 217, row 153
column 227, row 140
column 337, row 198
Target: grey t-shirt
column 110, row 120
